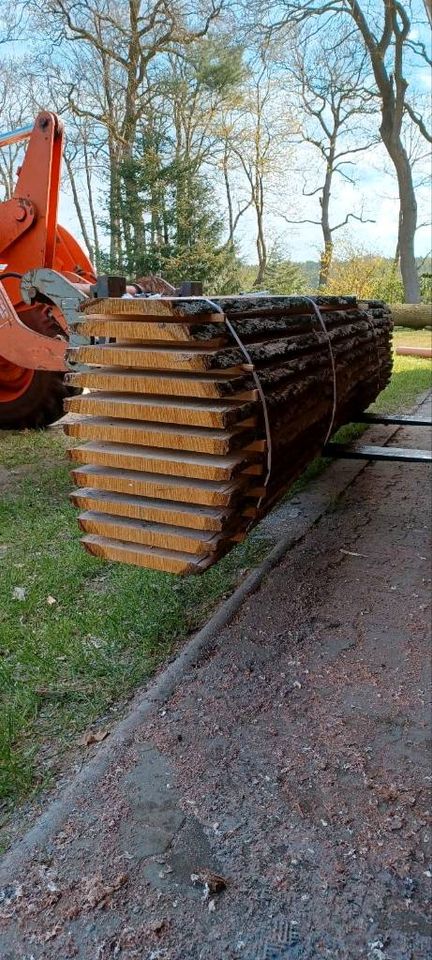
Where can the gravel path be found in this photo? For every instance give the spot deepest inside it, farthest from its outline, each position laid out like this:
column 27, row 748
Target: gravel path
column 289, row 774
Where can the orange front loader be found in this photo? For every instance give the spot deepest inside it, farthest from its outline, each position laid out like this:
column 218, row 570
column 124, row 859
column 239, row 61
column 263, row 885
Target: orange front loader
column 38, row 258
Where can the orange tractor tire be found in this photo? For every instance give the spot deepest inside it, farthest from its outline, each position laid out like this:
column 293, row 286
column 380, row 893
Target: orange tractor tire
column 32, row 387
column 32, row 398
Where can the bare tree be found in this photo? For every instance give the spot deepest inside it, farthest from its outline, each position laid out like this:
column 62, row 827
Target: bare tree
column 202, row 90
column 237, row 200
column 330, row 86
column 16, row 110
column 262, row 128
column 112, row 47
column 207, row 90
column 385, row 30
column 12, row 21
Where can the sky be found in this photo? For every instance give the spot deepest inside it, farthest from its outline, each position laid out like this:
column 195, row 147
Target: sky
column 374, row 195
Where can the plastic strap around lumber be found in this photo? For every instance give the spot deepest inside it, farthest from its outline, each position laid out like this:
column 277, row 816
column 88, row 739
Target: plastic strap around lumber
column 259, row 387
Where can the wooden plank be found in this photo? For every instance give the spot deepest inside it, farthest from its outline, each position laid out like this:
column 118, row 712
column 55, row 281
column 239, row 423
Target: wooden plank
column 123, row 328
column 155, row 358
column 191, row 412
column 152, row 558
column 189, row 320
column 155, row 460
column 159, row 511
column 229, row 362
column 176, row 308
column 198, row 439
column 149, row 534
column 158, row 486
column 128, row 380
column 253, row 329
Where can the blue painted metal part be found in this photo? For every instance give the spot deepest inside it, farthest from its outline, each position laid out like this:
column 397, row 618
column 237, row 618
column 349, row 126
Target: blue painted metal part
column 14, row 136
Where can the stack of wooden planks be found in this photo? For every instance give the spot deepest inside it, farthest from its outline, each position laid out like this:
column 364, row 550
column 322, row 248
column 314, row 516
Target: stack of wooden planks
column 197, row 416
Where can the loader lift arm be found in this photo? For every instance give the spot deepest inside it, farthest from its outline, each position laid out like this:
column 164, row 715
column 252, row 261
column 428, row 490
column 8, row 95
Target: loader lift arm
column 34, row 335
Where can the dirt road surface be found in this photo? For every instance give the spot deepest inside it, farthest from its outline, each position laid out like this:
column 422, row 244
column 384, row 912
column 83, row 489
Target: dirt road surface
column 293, row 762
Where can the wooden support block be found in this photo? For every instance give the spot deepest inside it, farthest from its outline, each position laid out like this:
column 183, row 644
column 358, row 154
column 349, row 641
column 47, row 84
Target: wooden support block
column 257, row 446
column 254, row 469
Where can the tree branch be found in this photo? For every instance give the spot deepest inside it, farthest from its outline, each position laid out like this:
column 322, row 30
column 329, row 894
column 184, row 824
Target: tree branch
column 288, row 220
column 354, row 216
column 419, row 122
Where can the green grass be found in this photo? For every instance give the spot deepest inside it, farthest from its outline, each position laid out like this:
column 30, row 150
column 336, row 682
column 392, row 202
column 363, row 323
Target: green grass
column 66, row 665
column 411, row 375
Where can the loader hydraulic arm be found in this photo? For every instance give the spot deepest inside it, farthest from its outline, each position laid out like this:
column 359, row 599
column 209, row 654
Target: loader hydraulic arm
column 30, row 236
column 34, row 329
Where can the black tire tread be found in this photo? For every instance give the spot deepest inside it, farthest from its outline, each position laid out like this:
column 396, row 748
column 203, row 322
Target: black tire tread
column 41, row 404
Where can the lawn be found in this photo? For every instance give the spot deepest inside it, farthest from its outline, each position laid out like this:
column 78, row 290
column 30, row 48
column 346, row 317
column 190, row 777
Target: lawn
column 78, row 635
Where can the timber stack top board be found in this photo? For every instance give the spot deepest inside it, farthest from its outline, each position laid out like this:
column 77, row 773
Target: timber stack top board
column 197, row 416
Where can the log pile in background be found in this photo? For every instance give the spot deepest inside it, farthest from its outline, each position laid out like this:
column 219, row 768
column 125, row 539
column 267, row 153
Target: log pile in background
column 418, row 316
column 173, row 465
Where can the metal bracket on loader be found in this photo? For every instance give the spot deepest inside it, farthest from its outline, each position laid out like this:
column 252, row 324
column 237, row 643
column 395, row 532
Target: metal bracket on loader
column 348, row 451
column 19, row 344
column 66, row 295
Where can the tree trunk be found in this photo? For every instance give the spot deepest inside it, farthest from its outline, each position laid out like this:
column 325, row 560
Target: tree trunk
column 262, row 253
column 229, row 200
column 96, row 244
column 396, row 259
column 261, row 240
column 78, row 209
column 325, row 264
column 133, row 220
column 407, row 222
column 115, row 213
column 327, row 252
column 392, row 87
